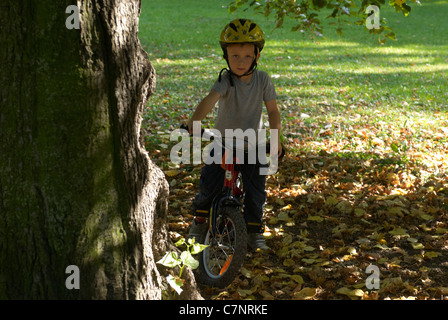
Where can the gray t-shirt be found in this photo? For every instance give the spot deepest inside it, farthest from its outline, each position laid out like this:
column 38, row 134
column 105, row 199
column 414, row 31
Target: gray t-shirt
column 241, row 105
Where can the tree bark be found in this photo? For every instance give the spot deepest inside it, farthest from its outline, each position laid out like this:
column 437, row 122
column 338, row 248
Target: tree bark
column 76, row 186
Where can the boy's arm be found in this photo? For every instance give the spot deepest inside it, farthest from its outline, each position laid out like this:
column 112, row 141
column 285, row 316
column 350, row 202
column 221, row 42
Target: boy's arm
column 203, row 108
column 274, row 120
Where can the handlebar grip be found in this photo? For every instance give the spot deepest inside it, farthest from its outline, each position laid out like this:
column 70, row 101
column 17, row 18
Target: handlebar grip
column 268, row 150
column 185, row 127
column 283, row 153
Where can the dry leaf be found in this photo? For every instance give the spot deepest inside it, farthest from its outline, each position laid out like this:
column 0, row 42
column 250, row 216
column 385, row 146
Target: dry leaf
column 305, row 294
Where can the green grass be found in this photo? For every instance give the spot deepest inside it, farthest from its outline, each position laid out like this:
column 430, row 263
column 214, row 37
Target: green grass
column 338, row 83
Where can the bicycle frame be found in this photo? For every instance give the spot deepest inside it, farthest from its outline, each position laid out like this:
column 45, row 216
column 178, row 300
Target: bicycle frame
column 229, row 193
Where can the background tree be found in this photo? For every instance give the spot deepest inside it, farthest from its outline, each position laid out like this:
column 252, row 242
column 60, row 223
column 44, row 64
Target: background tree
column 76, row 185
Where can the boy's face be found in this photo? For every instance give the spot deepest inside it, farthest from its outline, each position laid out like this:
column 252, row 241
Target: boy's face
column 241, row 57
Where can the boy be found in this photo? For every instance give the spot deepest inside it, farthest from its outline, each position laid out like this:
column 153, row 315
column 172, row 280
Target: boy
column 240, row 93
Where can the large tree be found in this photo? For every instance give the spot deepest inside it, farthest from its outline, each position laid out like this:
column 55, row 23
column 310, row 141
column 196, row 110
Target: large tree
column 76, row 185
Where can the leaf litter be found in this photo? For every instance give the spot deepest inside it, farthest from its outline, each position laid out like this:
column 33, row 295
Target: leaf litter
column 333, row 210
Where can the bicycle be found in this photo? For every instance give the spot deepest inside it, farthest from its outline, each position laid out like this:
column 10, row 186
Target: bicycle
column 226, row 235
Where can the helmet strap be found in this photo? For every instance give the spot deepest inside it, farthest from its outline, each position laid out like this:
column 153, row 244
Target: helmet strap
column 230, row 78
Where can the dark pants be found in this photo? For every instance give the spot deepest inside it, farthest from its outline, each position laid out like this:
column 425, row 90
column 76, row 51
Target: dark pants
column 211, row 183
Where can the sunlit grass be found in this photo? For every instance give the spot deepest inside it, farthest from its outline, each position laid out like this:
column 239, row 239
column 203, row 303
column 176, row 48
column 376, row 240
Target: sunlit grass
column 332, row 83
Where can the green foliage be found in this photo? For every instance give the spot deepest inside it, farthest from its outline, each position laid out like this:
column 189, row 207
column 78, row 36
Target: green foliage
column 305, row 13
column 172, row 260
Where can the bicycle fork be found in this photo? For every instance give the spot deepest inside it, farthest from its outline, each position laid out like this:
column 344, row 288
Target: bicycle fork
column 225, row 197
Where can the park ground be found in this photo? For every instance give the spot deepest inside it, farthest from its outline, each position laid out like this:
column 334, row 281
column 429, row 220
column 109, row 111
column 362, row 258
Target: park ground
column 366, row 127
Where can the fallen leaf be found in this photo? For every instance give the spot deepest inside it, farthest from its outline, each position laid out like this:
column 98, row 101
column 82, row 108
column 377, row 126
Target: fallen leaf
column 360, row 212
column 331, row 201
column 431, row 254
column 353, row 294
column 315, row 218
column 283, row 216
column 297, row 278
column 308, row 261
column 344, row 207
column 266, row 295
column 244, row 292
column 172, row 173
column 247, row 273
column 288, row 262
column 443, row 290
column 305, row 294
column 399, row 232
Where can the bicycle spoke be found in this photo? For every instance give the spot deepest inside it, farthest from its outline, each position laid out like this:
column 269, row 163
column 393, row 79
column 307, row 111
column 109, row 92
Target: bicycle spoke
column 222, row 247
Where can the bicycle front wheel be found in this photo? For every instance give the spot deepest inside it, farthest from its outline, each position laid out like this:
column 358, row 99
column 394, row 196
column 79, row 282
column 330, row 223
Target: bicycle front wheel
column 221, row 261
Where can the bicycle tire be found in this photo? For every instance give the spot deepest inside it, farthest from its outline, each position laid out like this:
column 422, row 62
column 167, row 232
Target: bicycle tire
column 220, row 263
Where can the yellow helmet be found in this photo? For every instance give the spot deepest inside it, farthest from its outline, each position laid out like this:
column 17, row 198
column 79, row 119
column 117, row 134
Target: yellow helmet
column 242, row 31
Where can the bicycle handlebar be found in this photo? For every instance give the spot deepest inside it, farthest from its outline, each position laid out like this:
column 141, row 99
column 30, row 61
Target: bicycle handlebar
column 268, row 145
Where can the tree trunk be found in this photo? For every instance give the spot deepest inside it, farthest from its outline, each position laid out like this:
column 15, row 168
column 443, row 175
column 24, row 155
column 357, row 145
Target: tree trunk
column 76, row 186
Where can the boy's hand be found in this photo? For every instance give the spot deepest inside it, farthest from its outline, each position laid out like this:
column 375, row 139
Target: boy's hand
column 280, row 150
column 190, row 126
